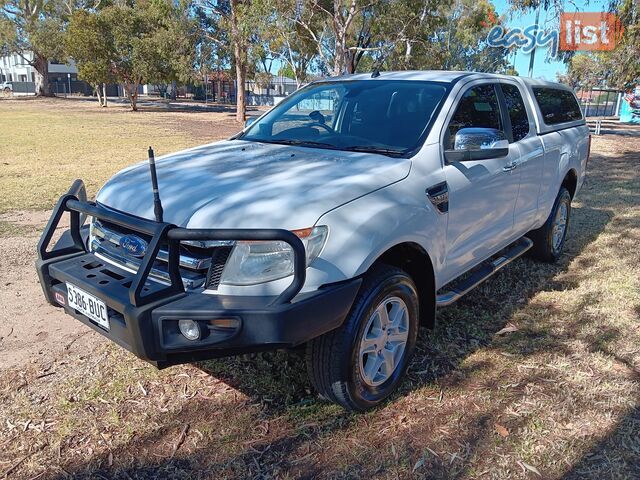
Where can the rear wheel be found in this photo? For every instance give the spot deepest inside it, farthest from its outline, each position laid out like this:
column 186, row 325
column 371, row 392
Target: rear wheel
column 548, row 240
column 361, row 363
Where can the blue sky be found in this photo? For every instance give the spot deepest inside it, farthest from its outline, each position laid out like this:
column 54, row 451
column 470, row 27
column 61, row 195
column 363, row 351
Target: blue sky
column 543, row 68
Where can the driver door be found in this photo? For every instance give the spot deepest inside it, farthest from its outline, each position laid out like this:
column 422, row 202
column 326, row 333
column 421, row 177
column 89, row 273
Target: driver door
column 482, row 193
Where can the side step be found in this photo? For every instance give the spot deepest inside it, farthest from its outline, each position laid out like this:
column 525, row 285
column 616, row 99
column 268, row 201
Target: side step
column 488, row 268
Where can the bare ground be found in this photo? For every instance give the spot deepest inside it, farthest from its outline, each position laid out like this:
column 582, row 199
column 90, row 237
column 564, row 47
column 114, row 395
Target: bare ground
column 31, row 331
column 555, row 395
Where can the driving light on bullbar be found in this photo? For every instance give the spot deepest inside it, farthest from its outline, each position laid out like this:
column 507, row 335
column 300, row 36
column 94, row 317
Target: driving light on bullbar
column 190, row 329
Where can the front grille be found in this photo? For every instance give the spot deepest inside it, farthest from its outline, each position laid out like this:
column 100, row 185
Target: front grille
column 199, row 267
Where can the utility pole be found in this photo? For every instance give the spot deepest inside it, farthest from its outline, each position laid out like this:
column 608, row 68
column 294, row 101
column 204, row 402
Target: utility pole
column 533, row 51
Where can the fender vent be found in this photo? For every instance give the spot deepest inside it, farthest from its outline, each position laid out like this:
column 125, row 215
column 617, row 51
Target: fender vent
column 219, row 259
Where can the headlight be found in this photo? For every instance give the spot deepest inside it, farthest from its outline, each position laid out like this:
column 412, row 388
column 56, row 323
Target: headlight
column 251, row 263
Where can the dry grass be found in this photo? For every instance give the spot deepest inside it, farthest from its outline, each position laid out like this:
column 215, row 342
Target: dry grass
column 47, row 144
column 558, row 398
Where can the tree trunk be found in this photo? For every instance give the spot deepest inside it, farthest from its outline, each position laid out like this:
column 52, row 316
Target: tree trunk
column 174, row 90
column 240, row 57
column 98, row 94
column 134, row 97
column 241, row 104
column 104, row 94
column 132, row 94
column 41, row 65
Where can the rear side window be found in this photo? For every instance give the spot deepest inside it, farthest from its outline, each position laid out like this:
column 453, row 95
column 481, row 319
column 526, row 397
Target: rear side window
column 556, row 105
column 517, row 112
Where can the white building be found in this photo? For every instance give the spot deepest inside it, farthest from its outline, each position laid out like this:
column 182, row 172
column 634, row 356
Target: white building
column 14, row 68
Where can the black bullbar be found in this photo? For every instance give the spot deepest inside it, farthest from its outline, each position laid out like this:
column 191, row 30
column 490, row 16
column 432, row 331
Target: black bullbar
column 144, row 313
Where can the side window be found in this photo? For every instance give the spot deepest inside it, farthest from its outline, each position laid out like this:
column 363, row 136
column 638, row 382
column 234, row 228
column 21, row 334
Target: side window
column 557, row 105
column 478, row 107
column 517, row 111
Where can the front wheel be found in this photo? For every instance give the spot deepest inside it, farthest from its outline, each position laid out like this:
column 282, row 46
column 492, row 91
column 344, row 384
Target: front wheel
column 361, row 363
column 548, row 240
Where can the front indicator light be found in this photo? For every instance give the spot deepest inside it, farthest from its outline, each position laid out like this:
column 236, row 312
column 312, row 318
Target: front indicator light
column 190, row 329
column 226, row 323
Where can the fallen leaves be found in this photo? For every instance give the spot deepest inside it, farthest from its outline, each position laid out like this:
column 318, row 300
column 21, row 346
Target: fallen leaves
column 531, row 468
column 501, row 430
column 418, row 464
column 508, row 328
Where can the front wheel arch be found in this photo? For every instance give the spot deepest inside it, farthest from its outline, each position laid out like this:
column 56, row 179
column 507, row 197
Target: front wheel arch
column 416, row 262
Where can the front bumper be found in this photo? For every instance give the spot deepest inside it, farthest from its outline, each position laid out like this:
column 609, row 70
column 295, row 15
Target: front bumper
column 143, row 314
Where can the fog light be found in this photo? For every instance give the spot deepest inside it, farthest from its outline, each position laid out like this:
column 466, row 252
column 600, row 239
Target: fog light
column 190, row 329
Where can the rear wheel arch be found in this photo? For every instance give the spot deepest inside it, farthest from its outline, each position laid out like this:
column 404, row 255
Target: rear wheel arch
column 416, row 262
column 570, row 182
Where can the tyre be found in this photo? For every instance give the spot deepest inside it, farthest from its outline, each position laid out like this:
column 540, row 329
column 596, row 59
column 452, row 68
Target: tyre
column 548, row 240
column 361, row 363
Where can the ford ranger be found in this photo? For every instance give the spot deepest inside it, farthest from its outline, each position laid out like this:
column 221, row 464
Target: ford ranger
column 339, row 221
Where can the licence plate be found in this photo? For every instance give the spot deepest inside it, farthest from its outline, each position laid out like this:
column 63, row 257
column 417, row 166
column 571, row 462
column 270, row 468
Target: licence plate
column 88, row 305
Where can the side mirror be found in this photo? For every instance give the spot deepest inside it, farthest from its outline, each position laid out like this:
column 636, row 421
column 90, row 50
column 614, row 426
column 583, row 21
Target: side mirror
column 477, row 144
column 249, row 121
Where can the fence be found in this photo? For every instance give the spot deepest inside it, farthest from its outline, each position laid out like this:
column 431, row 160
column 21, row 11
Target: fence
column 23, row 87
column 600, row 102
column 73, row 87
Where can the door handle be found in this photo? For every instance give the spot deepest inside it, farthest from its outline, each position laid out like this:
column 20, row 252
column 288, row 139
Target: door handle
column 509, row 166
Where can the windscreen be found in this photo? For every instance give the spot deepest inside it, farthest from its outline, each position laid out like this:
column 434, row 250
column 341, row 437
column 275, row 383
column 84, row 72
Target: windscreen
column 388, row 117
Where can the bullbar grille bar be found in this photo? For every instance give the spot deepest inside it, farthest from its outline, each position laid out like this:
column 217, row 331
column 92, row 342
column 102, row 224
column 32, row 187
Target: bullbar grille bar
column 162, row 233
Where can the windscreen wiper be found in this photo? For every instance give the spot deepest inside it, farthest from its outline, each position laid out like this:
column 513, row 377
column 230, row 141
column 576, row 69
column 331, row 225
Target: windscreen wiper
column 306, row 143
column 370, row 149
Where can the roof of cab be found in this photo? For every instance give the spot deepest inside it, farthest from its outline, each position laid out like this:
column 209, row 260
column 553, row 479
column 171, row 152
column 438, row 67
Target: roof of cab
column 443, row 76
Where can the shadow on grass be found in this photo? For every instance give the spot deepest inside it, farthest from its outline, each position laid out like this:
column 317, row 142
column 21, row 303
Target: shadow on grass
column 277, row 382
column 616, row 456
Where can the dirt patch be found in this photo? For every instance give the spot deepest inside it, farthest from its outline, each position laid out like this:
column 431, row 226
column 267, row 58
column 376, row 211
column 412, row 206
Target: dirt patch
column 31, row 330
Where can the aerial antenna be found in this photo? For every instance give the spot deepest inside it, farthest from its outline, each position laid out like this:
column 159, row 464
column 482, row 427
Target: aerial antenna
column 157, row 204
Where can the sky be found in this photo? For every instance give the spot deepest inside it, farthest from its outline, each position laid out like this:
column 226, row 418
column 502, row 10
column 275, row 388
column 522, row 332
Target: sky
column 542, row 68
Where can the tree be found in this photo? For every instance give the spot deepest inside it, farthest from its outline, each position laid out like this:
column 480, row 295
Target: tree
column 34, row 29
column 87, row 42
column 147, row 42
column 440, row 35
column 584, row 71
column 295, row 49
column 235, row 26
column 353, row 35
column 623, row 63
column 339, row 29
